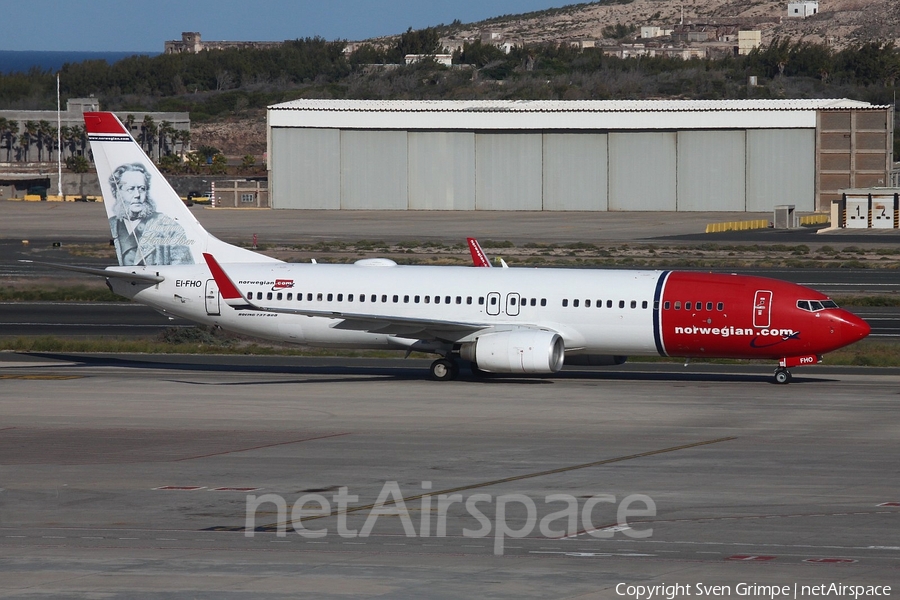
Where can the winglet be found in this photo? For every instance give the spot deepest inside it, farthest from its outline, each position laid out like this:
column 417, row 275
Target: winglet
column 229, row 291
column 479, row 258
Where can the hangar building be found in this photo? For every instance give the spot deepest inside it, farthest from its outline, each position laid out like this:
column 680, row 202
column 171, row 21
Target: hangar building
column 647, row 155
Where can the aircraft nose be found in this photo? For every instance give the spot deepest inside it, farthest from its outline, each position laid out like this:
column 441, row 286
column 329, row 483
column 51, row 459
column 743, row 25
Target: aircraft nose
column 853, row 328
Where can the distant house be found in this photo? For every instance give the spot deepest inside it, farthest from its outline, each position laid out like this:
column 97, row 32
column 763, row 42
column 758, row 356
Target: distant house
column 441, row 59
column 801, row 10
column 748, row 41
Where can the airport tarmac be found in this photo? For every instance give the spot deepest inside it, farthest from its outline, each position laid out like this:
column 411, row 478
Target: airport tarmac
column 85, row 221
column 129, row 476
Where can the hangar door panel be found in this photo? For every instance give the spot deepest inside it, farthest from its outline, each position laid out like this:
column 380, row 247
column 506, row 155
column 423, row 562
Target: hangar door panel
column 306, row 168
column 373, row 170
column 781, row 169
column 642, row 171
column 711, row 170
column 508, row 171
column 575, row 171
column 441, row 171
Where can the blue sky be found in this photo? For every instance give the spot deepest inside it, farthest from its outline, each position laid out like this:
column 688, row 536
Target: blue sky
column 125, row 25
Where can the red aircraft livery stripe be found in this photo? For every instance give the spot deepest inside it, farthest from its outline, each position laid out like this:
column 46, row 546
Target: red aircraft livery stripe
column 102, row 122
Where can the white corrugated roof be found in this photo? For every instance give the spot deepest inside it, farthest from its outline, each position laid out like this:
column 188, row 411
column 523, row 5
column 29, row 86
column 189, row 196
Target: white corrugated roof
column 535, row 115
column 602, row 106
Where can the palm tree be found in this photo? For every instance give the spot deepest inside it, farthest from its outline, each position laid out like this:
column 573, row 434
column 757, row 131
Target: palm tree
column 26, row 139
column 11, row 134
column 43, row 134
column 79, row 138
column 166, row 132
column 149, row 130
column 4, row 131
column 65, row 134
column 184, row 137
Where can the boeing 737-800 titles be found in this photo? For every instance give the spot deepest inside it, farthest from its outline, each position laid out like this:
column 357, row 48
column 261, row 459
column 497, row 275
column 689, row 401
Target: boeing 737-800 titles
column 513, row 320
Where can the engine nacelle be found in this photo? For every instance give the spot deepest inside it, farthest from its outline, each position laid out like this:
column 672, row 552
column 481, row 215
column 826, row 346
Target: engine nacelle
column 595, row 360
column 517, row 351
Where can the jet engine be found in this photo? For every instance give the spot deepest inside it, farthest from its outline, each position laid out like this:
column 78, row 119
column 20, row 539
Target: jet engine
column 517, row 351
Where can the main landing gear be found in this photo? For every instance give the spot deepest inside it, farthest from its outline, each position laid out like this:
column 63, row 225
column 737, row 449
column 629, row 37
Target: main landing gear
column 782, row 375
column 444, row 369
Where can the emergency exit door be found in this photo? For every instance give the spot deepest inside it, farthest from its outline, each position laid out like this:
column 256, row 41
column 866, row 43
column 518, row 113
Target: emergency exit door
column 212, row 297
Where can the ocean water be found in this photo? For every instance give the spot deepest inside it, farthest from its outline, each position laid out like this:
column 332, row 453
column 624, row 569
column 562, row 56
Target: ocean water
column 14, row 61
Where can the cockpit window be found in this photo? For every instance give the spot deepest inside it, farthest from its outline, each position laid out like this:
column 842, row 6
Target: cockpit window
column 816, row 305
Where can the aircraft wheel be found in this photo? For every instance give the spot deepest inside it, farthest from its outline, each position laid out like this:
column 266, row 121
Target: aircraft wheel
column 782, row 376
column 444, row 370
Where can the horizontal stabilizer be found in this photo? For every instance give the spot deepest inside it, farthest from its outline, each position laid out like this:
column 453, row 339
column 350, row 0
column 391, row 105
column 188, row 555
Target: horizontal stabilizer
column 146, row 277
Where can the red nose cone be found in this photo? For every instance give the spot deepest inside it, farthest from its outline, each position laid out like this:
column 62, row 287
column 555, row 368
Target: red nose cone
column 853, row 328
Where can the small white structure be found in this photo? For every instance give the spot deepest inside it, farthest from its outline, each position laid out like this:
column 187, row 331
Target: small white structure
column 801, row 10
column 648, row 32
column 441, row 59
column 748, row 41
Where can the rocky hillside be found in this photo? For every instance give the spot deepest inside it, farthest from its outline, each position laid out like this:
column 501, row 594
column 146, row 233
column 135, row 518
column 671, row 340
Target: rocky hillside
column 235, row 136
column 839, row 22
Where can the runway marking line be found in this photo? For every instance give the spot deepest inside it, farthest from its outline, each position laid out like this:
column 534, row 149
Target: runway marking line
column 598, row 463
column 42, row 377
column 224, row 452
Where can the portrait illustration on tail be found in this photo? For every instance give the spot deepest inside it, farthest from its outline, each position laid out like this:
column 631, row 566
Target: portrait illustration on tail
column 142, row 235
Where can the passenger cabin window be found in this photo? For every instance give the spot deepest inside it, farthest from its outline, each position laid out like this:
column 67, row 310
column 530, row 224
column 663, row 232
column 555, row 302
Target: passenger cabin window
column 309, row 297
column 609, row 304
column 543, row 302
column 644, row 304
column 493, row 300
column 565, row 302
column 259, row 295
column 406, row 299
column 330, row 297
column 269, row 296
column 720, row 306
column 416, row 299
column 278, row 296
column 687, row 306
column 480, row 300
column 666, row 305
column 634, row 304
column 709, row 306
column 396, row 298
column 575, row 302
column 384, row 297
column 362, row 297
column 678, row 305
column 459, row 299
column 349, row 297
column 587, row 303
column 468, row 299
column 534, row 301
column 621, row 304
column 446, row 299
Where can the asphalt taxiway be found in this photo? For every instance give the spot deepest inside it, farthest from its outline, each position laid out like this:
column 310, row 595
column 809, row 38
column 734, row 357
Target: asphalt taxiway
column 130, row 476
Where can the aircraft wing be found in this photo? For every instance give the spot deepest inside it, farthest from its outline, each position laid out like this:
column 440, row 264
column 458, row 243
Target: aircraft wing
column 408, row 327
